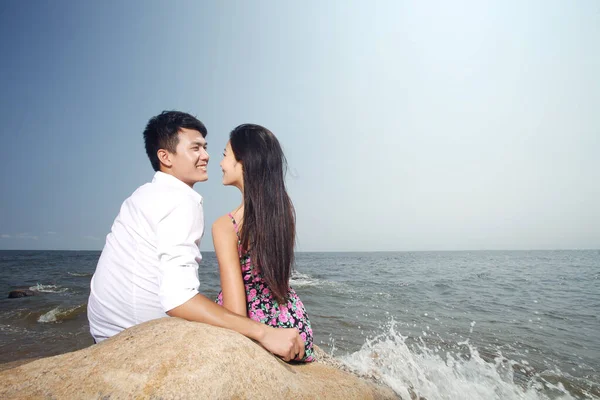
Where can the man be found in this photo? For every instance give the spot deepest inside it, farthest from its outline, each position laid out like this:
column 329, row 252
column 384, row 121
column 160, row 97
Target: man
column 148, row 268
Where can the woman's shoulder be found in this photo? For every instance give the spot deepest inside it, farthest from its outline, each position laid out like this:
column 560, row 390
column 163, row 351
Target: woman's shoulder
column 224, row 221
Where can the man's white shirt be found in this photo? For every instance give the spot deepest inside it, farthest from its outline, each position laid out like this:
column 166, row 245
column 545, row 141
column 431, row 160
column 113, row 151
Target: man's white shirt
column 149, row 264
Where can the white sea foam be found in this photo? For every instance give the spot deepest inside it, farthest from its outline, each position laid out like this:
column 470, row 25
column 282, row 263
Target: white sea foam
column 80, row 274
column 300, row 280
column 50, row 316
column 433, row 373
column 13, row 329
column 303, row 280
column 58, row 314
column 48, row 288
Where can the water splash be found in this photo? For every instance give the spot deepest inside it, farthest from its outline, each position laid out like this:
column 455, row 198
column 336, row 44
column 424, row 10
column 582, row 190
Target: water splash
column 422, row 370
column 48, row 288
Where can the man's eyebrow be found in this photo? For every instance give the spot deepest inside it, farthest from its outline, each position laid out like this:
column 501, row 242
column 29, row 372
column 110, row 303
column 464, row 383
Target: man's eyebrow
column 199, row 143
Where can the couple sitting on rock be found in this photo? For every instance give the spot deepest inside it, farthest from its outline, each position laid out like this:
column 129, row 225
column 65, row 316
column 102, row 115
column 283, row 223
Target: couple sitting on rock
column 148, row 268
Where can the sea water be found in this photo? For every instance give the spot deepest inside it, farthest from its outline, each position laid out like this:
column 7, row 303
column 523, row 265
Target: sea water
column 440, row 325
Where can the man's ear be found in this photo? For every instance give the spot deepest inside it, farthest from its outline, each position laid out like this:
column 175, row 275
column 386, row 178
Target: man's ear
column 164, row 157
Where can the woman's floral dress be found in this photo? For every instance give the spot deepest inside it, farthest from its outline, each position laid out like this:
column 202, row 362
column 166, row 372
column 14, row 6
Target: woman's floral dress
column 262, row 306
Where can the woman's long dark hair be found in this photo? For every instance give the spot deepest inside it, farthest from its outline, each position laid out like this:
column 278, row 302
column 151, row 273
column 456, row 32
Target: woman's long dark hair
column 269, row 225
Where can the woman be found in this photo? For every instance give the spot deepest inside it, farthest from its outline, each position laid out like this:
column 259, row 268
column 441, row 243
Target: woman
column 254, row 243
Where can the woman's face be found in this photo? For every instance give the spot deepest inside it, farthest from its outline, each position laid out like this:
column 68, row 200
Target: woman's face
column 232, row 169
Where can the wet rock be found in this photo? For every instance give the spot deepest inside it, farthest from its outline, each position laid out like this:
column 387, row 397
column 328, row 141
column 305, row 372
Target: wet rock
column 15, row 294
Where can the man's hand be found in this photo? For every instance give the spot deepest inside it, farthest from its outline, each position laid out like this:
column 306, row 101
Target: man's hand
column 283, row 342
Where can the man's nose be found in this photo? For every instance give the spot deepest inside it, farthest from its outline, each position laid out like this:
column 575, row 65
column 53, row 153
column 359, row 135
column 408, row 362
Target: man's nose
column 205, row 155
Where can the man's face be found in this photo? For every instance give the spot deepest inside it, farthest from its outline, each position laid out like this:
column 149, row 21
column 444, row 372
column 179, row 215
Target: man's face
column 189, row 162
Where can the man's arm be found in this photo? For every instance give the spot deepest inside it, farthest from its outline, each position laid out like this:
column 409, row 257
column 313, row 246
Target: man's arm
column 285, row 343
column 178, row 234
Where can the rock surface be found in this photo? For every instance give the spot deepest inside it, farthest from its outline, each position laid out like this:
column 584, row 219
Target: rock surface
column 172, row 358
column 15, row 294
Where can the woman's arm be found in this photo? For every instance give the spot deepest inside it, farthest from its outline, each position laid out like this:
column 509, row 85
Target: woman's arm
column 226, row 248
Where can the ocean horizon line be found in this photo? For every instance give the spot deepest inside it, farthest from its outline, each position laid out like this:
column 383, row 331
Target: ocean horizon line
column 357, row 251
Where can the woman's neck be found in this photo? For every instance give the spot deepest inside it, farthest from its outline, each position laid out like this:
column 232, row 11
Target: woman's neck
column 238, row 213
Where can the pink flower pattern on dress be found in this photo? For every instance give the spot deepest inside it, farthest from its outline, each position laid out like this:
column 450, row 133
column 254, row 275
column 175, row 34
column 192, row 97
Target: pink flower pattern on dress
column 263, row 308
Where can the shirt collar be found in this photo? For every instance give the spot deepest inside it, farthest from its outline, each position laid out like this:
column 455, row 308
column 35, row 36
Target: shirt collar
column 169, row 180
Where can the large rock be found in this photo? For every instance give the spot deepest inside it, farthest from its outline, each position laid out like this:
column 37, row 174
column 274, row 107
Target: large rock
column 172, row 358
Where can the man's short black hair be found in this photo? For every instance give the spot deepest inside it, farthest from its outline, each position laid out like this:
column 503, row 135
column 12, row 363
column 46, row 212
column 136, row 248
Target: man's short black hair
column 162, row 133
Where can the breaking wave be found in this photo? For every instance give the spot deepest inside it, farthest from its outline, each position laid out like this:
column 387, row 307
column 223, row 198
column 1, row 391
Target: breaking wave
column 300, row 280
column 421, row 370
column 303, row 280
column 60, row 314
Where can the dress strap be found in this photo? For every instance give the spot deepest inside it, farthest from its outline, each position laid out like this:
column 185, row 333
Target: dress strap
column 237, row 232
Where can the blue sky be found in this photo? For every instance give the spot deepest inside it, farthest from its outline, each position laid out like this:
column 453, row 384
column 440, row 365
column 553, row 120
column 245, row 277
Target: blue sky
column 407, row 125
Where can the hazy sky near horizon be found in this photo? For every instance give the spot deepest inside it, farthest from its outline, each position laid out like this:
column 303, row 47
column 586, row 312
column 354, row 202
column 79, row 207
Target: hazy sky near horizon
column 407, row 125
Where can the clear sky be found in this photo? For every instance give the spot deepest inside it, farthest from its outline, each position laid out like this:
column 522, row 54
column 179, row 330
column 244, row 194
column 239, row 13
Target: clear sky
column 443, row 125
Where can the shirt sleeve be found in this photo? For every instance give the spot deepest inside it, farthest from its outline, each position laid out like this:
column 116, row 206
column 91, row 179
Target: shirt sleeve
column 178, row 237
